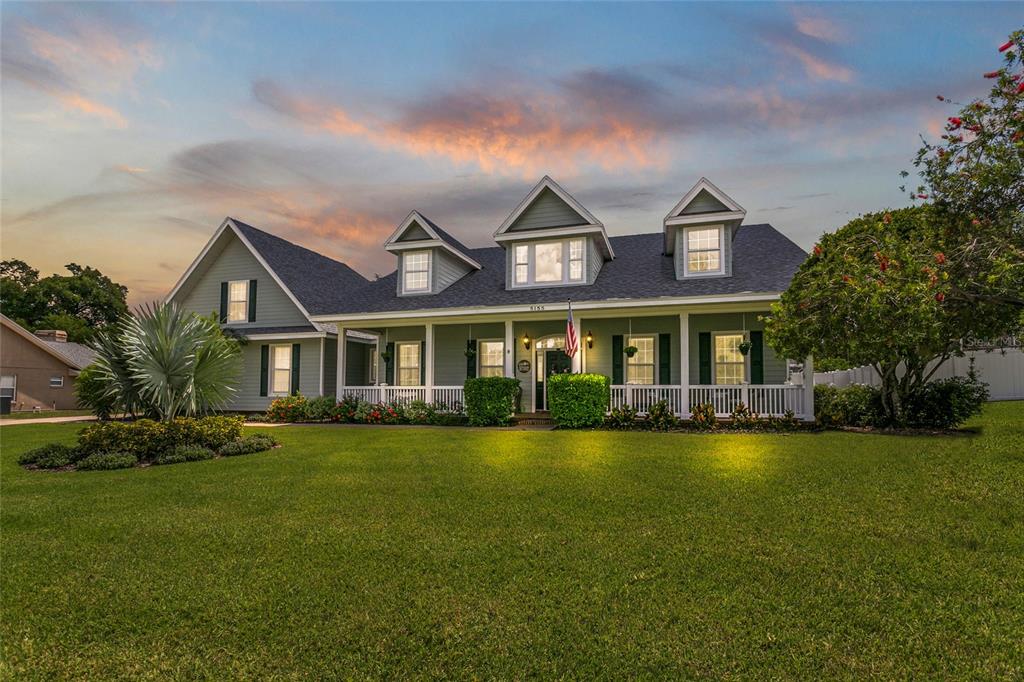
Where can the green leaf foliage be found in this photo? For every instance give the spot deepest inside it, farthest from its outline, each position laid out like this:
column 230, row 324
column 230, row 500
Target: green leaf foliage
column 578, row 400
column 491, row 401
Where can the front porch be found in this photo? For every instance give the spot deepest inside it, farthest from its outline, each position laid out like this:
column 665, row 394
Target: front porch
column 689, row 357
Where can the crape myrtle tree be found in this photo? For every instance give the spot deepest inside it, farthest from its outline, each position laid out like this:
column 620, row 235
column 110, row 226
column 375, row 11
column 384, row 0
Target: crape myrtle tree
column 877, row 292
column 976, row 172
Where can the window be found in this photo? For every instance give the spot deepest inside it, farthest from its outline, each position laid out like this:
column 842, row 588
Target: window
column 9, row 386
column 238, row 300
column 281, row 369
column 730, row 365
column 56, row 382
column 704, row 250
column 640, row 367
column 492, row 358
column 549, row 262
column 409, row 364
column 416, row 271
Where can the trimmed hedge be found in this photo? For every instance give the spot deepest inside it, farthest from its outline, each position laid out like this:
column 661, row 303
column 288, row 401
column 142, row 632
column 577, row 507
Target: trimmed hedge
column 51, row 456
column 491, row 401
column 578, row 400
column 149, row 439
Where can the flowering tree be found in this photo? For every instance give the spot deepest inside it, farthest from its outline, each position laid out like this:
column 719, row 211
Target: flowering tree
column 976, row 172
column 876, row 292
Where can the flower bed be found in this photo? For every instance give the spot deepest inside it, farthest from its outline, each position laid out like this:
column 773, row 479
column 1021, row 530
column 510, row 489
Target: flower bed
column 352, row 410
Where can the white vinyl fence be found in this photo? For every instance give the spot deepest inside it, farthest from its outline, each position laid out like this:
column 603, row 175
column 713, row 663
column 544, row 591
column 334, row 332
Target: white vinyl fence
column 1002, row 370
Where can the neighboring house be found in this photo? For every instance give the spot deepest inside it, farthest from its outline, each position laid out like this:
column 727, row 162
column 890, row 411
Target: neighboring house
column 38, row 371
column 264, row 289
column 687, row 298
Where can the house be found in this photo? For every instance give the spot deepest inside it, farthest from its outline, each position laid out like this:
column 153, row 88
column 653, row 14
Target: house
column 672, row 314
column 38, row 371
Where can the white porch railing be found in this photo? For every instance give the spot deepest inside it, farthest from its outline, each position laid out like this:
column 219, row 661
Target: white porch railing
column 765, row 400
column 446, row 398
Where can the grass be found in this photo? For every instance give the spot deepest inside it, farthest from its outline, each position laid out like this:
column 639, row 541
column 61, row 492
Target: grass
column 476, row 553
column 39, row 414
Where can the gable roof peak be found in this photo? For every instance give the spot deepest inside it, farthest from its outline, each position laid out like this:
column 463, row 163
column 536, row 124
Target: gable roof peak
column 548, row 183
column 435, row 237
column 721, row 202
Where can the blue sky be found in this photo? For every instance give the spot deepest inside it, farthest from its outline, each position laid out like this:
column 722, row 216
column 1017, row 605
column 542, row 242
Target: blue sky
column 131, row 130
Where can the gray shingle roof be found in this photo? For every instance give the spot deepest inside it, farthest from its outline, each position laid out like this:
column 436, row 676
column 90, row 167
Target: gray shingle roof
column 318, row 282
column 764, row 260
column 76, row 354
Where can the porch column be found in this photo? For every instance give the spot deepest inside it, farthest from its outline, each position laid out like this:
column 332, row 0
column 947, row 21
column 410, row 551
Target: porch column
column 809, row 389
column 428, row 352
column 340, row 383
column 576, row 361
column 684, row 363
column 510, row 350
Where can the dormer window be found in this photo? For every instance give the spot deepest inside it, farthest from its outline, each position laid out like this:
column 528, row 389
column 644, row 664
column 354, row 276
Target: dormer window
column 416, row 272
column 549, row 262
column 703, row 250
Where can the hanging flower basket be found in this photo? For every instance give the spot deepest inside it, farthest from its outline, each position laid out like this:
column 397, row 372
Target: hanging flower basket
column 744, row 347
column 630, row 351
column 470, row 352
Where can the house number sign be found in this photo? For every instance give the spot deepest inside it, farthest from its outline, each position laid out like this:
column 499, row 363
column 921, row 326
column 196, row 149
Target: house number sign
column 523, row 366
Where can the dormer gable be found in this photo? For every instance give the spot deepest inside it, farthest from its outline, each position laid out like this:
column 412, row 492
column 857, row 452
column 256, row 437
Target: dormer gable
column 429, row 259
column 699, row 231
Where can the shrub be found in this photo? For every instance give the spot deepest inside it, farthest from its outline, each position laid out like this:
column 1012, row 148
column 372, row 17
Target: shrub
column 91, row 393
column 320, row 409
column 392, row 413
column 51, row 456
column 621, row 417
column 947, row 403
column 703, row 417
column 104, row 461
column 491, row 401
column 346, row 410
column 449, row 419
column 743, row 418
column 215, row 432
column 660, row 416
column 147, row 439
column 258, row 442
column 363, row 412
column 856, row 405
column 787, row 422
column 290, row 408
column 420, row 412
column 578, row 400
column 184, row 453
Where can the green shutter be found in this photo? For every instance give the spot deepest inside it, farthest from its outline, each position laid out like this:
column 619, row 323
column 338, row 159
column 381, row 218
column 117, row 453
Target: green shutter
column 295, row 368
column 664, row 359
column 389, row 365
column 223, row 302
column 757, row 357
column 423, row 364
column 252, row 300
column 471, row 359
column 264, row 368
column 617, row 360
column 704, row 349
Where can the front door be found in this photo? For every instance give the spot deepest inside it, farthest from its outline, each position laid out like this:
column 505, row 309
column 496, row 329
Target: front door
column 555, row 362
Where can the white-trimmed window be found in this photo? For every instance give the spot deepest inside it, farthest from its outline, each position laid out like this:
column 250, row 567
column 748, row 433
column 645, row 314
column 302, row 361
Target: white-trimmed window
column 416, row 271
column 553, row 262
column 703, row 250
column 408, row 363
column 57, row 382
column 9, row 386
column 491, row 357
column 730, row 364
column 238, row 300
column 281, row 369
column 640, row 367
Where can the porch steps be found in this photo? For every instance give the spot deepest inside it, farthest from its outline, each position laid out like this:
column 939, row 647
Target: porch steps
column 534, row 419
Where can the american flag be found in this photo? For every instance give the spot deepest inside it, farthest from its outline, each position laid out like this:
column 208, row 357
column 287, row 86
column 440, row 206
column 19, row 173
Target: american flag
column 572, row 342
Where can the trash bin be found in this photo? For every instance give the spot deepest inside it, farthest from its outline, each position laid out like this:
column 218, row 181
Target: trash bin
column 5, row 404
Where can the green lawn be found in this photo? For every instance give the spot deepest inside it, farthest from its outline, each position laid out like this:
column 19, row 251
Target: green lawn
column 363, row 552
column 39, row 414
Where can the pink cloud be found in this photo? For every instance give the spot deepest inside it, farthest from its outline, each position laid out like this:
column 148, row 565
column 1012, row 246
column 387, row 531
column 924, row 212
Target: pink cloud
column 817, row 67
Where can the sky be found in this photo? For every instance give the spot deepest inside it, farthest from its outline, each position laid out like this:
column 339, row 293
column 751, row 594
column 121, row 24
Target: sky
column 129, row 131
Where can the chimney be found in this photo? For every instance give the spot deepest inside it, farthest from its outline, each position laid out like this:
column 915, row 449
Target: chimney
column 58, row 335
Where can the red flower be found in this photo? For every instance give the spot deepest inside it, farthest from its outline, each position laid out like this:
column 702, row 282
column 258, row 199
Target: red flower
column 940, row 98
column 1020, row 88
column 1006, row 46
column 817, row 250
column 992, row 74
column 922, row 196
column 974, row 128
column 940, row 258
column 940, row 297
column 887, row 218
column 954, row 122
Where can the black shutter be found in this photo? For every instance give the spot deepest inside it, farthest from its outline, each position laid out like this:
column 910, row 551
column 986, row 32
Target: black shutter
column 252, row 300
column 757, row 357
column 264, row 368
column 617, row 360
column 295, row 368
column 704, row 351
column 389, row 364
column 664, row 359
column 471, row 359
column 223, row 302
column 423, row 364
